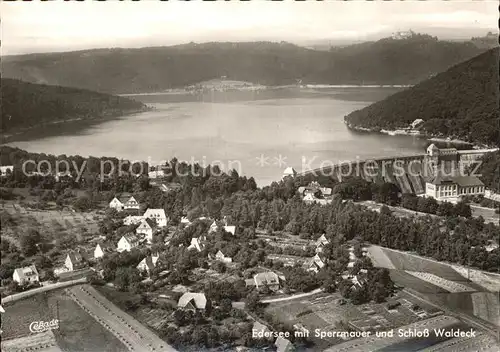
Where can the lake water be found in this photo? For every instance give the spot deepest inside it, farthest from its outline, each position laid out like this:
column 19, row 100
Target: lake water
column 258, row 133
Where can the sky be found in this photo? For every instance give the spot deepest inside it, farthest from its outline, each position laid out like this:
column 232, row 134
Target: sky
column 28, row 27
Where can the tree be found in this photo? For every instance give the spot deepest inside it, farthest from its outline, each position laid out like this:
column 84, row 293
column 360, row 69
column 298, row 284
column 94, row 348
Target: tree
column 252, row 301
column 463, row 209
column 83, row 203
column 29, row 241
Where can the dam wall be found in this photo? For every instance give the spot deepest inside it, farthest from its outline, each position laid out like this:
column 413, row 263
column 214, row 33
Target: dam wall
column 408, row 172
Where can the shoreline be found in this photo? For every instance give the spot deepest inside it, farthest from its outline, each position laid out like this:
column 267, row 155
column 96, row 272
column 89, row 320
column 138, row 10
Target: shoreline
column 416, row 133
column 74, row 125
column 256, row 87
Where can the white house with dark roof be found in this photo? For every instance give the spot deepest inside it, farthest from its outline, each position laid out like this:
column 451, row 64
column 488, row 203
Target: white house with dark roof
column 128, row 242
column 192, row 301
column 197, row 243
column 221, row 257
column 268, row 278
column 74, row 261
column 316, row 263
column 158, row 215
column 148, row 263
column 26, row 275
column 101, row 249
column 231, row 229
column 124, row 202
column 185, row 221
column 147, row 228
column 321, row 243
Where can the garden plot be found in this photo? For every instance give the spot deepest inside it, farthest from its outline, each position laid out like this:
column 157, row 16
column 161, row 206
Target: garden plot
column 42, row 342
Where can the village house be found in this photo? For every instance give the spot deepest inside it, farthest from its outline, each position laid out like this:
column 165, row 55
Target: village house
column 449, row 188
column 6, row 170
column 283, row 345
column 102, row 248
column 356, row 280
column 230, row 229
column 259, row 329
column 321, row 243
column 192, row 301
column 213, row 227
column 268, row 278
column 156, row 172
column 74, row 261
column 127, row 242
column 185, row 221
column 317, row 263
column 124, row 202
column 315, row 193
column 221, row 257
column 416, row 123
column 132, row 220
column 147, row 228
column 197, row 243
column 158, row 215
column 148, row 263
column 168, row 187
column 26, row 275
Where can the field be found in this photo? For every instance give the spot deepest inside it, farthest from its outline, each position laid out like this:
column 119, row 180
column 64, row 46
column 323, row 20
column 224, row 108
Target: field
column 51, row 223
column 150, row 316
column 43, row 342
column 78, row 331
column 324, row 311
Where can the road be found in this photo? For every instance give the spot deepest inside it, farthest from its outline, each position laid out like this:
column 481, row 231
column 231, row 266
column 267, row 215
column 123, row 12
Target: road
column 134, row 335
column 48, row 287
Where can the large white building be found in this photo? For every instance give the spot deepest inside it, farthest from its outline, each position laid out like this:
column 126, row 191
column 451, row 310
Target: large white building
column 451, row 188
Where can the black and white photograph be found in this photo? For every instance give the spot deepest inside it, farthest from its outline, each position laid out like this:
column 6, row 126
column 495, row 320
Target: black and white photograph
column 246, row 176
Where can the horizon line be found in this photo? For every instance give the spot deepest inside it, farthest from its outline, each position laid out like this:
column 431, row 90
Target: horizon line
column 306, row 44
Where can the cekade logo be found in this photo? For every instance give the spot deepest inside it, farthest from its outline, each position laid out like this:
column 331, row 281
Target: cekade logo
column 41, row 326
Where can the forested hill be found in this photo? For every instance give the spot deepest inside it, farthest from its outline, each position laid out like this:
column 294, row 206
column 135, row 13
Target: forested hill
column 387, row 61
column 461, row 102
column 490, row 171
column 25, row 105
